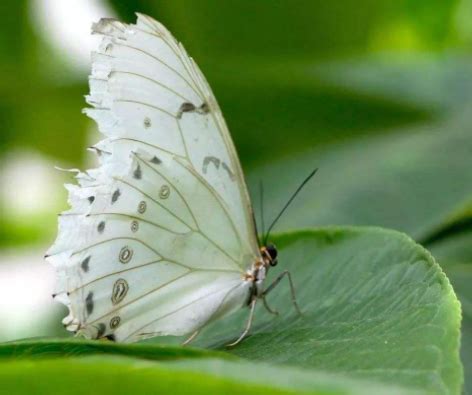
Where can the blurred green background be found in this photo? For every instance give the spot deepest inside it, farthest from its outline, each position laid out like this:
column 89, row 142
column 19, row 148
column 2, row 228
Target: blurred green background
column 376, row 93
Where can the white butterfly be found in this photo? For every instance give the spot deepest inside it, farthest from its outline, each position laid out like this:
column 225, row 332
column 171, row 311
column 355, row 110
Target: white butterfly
column 160, row 239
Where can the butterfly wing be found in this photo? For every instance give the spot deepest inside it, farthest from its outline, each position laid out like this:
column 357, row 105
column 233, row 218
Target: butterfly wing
column 158, row 237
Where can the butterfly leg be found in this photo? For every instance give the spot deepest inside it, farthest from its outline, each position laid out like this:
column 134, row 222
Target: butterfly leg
column 248, row 325
column 191, row 337
column 266, row 305
column 292, row 288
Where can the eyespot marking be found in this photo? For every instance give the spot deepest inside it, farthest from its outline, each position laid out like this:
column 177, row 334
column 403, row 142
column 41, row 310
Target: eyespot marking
column 164, row 192
column 126, row 254
column 147, row 123
column 115, row 196
column 114, row 322
column 120, row 289
column 85, row 264
column 134, row 226
column 142, row 207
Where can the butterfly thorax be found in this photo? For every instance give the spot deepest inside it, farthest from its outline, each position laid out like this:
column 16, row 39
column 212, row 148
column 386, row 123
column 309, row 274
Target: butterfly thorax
column 259, row 269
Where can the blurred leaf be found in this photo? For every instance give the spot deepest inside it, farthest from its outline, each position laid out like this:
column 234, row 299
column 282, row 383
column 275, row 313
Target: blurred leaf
column 115, row 375
column 51, row 348
column 376, row 307
column 281, row 108
column 430, row 81
column 39, row 229
column 314, row 28
column 389, row 180
column 455, row 248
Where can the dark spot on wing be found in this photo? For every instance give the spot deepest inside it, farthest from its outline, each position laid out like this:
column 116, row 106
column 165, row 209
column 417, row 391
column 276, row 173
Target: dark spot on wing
column 101, row 328
column 115, row 196
column 85, row 264
column 217, row 163
column 89, row 303
column 228, row 170
column 156, row 160
column 147, row 123
column 187, row 107
column 190, row 107
column 101, row 227
column 204, row 108
column 208, row 160
column 91, row 199
column 111, row 337
column 137, row 173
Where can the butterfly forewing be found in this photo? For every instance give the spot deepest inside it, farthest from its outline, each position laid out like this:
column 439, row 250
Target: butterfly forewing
column 158, row 237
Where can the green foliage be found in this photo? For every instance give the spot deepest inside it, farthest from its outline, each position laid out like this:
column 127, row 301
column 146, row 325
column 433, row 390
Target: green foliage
column 379, row 316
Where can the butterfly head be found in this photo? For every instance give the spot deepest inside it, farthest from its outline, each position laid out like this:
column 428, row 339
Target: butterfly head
column 269, row 254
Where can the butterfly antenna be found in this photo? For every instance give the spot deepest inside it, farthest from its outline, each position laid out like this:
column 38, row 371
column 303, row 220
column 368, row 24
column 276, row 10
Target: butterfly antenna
column 294, row 195
column 261, row 202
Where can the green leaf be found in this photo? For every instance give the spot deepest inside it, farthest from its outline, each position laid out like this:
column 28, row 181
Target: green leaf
column 118, row 375
column 376, row 306
column 460, row 275
column 377, row 312
column 49, row 348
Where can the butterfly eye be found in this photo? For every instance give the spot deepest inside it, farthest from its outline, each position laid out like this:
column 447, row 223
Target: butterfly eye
column 272, row 252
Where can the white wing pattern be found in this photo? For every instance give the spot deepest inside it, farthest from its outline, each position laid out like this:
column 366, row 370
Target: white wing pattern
column 159, row 236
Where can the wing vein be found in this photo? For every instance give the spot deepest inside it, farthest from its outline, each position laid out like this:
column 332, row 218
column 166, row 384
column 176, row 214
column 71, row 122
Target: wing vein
column 114, row 273
column 153, row 81
column 221, row 249
column 156, row 201
column 145, row 104
column 176, row 51
column 189, row 84
column 173, row 186
column 174, row 311
column 218, row 198
column 140, row 297
column 149, row 145
column 139, row 219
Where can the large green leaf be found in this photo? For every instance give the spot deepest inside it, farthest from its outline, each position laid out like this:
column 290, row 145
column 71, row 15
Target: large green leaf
column 376, row 307
column 453, row 252
column 461, row 278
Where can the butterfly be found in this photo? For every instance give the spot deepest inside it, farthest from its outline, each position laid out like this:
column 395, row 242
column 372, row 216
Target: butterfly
column 160, row 239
